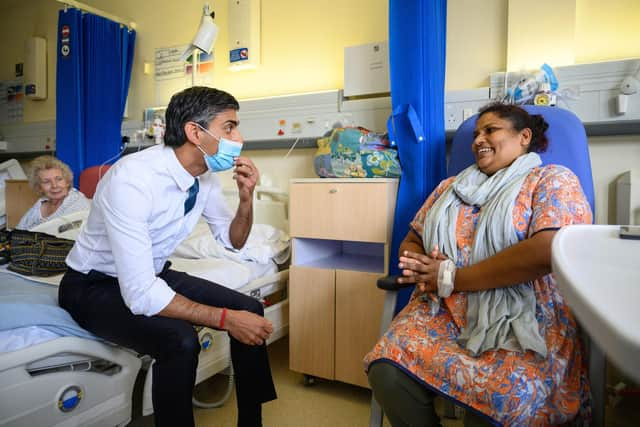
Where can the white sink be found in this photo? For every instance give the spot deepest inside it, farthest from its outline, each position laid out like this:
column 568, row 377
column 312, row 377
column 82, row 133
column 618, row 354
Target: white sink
column 599, row 276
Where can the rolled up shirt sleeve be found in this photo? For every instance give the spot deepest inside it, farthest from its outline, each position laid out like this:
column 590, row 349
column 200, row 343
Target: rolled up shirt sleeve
column 127, row 229
column 152, row 300
column 218, row 214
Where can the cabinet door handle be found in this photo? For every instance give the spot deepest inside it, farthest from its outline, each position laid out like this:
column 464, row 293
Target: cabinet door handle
column 333, row 191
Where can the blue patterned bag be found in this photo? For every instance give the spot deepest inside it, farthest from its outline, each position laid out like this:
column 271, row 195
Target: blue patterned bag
column 356, row 153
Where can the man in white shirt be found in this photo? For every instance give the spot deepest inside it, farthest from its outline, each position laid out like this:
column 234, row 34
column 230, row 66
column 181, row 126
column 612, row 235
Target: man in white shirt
column 119, row 285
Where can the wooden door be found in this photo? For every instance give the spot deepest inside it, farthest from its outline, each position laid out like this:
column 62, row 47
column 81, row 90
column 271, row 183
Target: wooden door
column 359, row 306
column 312, row 321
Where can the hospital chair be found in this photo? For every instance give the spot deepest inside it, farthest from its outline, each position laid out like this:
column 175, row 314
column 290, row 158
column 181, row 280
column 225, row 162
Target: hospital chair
column 89, row 179
column 567, row 147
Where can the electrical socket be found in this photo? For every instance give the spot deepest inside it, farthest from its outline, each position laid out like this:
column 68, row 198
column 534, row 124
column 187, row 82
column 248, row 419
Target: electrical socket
column 452, row 118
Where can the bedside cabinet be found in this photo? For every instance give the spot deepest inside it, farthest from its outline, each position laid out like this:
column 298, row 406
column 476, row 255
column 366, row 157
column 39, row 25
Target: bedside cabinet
column 341, row 235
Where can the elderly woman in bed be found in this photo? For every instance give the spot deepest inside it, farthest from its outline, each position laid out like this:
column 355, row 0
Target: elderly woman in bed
column 487, row 325
column 52, row 180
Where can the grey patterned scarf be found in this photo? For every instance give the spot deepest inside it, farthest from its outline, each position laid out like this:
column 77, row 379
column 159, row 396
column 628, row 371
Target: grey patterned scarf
column 496, row 318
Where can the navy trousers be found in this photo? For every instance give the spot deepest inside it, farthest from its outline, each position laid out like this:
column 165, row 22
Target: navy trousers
column 95, row 302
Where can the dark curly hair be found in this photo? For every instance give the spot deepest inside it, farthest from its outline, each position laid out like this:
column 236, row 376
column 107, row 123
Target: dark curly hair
column 199, row 104
column 521, row 119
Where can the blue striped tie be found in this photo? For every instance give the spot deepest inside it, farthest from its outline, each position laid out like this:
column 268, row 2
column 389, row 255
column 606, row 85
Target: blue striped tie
column 191, row 198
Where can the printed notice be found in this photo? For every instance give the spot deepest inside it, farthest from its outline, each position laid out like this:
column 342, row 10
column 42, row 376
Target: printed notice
column 11, row 101
column 172, row 75
column 168, row 64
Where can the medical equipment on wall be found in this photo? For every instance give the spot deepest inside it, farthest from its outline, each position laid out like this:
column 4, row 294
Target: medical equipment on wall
column 158, row 130
column 627, row 198
column 154, row 123
column 631, row 83
column 244, row 34
column 206, row 36
column 629, row 86
column 35, row 68
column 534, row 88
column 366, row 69
column 202, row 42
column 590, row 91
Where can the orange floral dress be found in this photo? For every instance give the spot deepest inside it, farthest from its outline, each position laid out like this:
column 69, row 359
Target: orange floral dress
column 510, row 387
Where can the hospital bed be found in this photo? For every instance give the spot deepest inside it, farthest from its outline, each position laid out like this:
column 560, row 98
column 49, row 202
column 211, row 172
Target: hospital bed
column 69, row 377
column 72, row 379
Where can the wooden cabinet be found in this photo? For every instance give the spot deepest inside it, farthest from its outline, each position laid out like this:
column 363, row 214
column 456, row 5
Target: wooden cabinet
column 341, row 233
column 19, row 197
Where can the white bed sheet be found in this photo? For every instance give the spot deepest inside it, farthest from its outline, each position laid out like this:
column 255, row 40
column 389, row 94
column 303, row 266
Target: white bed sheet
column 228, row 273
column 30, row 315
column 264, row 244
column 15, row 339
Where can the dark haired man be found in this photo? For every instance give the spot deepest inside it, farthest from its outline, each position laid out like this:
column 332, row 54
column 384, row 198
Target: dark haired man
column 119, row 285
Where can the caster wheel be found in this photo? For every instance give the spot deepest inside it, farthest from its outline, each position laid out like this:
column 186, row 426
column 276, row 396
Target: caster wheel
column 309, row 380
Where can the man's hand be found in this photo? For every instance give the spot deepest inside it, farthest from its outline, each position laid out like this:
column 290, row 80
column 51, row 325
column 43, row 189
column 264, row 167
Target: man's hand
column 247, row 327
column 246, row 175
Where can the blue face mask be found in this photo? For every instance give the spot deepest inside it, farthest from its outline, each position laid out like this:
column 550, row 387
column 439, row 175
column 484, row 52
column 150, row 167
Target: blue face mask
column 228, row 150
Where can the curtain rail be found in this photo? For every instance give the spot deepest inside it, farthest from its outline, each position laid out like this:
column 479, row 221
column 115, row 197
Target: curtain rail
column 86, row 8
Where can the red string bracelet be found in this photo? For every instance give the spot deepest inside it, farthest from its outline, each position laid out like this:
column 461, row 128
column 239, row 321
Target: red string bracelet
column 222, row 316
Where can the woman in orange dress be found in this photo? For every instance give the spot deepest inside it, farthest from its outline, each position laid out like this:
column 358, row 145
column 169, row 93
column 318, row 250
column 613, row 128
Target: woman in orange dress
column 499, row 338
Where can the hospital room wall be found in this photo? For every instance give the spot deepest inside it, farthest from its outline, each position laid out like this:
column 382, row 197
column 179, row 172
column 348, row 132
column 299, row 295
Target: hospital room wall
column 581, row 31
column 303, row 40
column 609, row 31
column 302, row 43
column 610, row 157
column 18, row 21
column 302, row 51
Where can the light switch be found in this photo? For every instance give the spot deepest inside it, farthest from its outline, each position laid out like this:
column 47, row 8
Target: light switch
column 466, row 113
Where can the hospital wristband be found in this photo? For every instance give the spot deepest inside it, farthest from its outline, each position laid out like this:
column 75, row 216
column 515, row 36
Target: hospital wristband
column 446, row 276
column 222, row 316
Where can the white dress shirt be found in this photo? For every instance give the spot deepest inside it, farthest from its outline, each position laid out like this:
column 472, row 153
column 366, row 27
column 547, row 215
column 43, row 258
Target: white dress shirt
column 137, row 220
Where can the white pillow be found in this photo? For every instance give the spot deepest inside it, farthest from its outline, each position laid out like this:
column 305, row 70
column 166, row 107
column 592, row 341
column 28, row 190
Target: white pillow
column 265, row 243
column 66, row 226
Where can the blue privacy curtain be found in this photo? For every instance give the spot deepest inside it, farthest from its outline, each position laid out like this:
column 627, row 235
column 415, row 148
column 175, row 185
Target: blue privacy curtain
column 93, row 73
column 417, row 42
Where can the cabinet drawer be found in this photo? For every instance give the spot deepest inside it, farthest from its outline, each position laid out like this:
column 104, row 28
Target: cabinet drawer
column 342, row 210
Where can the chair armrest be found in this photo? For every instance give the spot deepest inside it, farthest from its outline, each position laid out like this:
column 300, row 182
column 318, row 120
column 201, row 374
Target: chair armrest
column 390, row 283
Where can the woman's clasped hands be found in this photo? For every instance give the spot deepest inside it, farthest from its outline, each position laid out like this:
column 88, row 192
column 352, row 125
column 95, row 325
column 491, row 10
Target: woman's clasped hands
column 421, row 269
